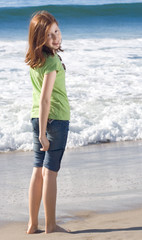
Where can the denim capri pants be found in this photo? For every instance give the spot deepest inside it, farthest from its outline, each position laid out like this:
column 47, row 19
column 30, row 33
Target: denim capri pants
column 57, row 132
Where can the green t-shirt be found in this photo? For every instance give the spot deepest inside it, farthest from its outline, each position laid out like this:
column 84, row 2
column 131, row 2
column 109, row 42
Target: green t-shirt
column 59, row 105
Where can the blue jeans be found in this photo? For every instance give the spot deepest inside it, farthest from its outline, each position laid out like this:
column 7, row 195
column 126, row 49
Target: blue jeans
column 57, row 132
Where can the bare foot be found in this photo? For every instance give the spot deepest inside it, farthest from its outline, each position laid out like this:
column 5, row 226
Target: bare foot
column 57, row 229
column 32, row 229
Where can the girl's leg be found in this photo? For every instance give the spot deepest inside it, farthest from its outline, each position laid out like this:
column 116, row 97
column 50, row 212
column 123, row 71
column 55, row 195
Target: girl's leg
column 35, row 194
column 49, row 199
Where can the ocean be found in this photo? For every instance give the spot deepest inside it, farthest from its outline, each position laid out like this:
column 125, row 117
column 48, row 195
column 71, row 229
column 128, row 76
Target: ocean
column 103, row 54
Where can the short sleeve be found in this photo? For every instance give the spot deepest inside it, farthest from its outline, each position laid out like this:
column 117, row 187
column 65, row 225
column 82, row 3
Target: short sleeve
column 51, row 64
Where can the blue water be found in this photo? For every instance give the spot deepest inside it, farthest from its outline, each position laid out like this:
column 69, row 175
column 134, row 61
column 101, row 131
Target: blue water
column 77, row 21
column 21, row 3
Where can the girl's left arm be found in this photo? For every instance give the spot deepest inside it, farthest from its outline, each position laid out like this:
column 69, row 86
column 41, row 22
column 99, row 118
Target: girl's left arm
column 44, row 108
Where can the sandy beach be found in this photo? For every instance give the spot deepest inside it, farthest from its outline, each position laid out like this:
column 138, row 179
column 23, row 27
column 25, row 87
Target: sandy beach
column 89, row 225
column 99, row 193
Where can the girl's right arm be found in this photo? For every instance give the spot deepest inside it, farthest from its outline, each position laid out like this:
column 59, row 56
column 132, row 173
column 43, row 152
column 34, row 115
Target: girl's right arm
column 44, row 108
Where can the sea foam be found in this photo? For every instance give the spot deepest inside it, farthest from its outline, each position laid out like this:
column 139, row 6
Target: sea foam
column 104, row 86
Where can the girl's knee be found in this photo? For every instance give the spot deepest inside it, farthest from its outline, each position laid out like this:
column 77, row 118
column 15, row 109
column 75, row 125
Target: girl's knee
column 37, row 173
column 48, row 173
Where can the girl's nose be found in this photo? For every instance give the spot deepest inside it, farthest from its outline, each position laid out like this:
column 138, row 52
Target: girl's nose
column 54, row 37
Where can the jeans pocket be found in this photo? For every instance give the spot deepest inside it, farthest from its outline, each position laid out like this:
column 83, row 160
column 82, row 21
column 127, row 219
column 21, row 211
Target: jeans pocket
column 50, row 121
column 35, row 124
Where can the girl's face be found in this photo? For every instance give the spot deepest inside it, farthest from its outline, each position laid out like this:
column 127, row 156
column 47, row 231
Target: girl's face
column 54, row 37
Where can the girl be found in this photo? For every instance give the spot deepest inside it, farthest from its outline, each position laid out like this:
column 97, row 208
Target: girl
column 50, row 117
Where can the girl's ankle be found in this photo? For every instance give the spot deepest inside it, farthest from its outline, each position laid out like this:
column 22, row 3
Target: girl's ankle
column 32, row 228
column 50, row 228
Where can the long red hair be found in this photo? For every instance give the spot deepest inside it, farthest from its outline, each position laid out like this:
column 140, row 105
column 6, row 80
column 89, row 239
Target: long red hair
column 39, row 25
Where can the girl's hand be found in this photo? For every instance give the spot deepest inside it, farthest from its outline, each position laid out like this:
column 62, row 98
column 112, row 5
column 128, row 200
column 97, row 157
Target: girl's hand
column 45, row 143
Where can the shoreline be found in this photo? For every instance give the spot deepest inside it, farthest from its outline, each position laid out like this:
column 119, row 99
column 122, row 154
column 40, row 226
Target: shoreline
column 95, row 182
column 80, row 148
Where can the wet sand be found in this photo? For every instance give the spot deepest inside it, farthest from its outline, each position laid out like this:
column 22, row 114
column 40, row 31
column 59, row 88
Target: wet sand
column 99, row 193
